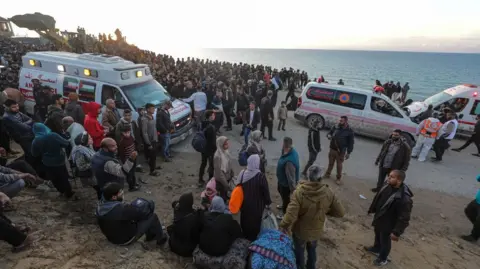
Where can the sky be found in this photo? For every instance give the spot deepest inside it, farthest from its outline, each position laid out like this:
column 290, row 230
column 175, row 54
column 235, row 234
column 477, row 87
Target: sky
column 171, row 26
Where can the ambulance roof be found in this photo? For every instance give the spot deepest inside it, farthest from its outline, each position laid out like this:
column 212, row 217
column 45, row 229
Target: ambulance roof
column 462, row 89
column 109, row 68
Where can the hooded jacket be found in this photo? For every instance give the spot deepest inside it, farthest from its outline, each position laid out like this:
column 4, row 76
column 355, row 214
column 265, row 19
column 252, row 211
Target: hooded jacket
column 49, row 145
column 309, row 204
column 92, row 126
column 75, row 110
column 392, row 208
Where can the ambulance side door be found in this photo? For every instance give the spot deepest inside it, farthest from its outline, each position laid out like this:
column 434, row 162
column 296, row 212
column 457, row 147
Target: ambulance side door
column 113, row 92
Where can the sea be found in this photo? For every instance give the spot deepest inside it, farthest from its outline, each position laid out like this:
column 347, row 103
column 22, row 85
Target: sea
column 427, row 73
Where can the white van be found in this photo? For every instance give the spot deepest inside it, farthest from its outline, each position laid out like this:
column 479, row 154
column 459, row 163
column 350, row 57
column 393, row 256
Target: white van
column 369, row 113
column 98, row 77
column 462, row 99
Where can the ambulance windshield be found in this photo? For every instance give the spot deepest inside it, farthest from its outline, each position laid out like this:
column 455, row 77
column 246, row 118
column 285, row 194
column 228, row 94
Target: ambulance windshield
column 438, row 98
column 146, row 92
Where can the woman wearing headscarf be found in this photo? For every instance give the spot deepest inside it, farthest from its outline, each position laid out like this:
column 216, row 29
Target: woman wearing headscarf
column 51, row 147
column 254, row 147
column 222, row 167
column 184, row 233
column 219, row 229
column 256, row 196
column 81, row 156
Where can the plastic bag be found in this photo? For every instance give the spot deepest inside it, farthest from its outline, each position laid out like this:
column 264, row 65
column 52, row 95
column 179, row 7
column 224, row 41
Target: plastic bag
column 269, row 221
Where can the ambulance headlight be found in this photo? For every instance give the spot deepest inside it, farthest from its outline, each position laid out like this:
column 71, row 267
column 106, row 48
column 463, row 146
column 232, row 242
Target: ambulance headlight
column 124, row 75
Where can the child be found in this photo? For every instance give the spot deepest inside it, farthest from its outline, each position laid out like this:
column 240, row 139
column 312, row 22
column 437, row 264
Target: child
column 126, row 146
column 282, row 114
column 208, row 194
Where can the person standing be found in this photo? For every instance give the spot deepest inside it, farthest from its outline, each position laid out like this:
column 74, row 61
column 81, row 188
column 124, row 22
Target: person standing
column 256, row 197
column 255, row 147
column 288, row 173
column 199, row 99
column 211, row 145
column 126, row 146
column 165, row 128
column 228, row 104
column 92, row 126
column 251, row 121
column 72, row 128
column 150, row 138
column 311, row 202
column 446, row 133
column 405, row 90
column 474, row 138
column 341, row 139
column 427, row 132
column 426, row 114
column 472, row 211
column 391, row 207
column 394, row 155
column 74, row 109
column 314, row 145
column 282, row 114
column 242, row 106
column 266, row 110
column 222, row 167
column 55, row 113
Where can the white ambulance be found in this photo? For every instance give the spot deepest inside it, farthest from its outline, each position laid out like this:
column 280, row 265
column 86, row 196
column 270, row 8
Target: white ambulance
column 98, row 77
column 462, row 99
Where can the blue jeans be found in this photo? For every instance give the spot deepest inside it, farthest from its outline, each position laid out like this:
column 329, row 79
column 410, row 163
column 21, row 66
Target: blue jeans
column 14, row 188
column 246, row 133
column 166, row 145
column 300, row 246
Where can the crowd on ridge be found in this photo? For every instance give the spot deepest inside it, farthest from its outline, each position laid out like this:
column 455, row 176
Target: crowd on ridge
column 65, row 142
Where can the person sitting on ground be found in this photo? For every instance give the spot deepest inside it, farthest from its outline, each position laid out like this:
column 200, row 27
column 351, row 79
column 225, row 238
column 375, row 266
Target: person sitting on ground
column 219, row 229
column 12, row 182
column 311, row 202
column 73, row 129
column 107, row 168
column 208, row 194
column 16, row 236
column 81, row 156
column 256, row 197
column 184, row 233
column 19, row 165
column 222, row 167
column 51, row 147
column 122, row 223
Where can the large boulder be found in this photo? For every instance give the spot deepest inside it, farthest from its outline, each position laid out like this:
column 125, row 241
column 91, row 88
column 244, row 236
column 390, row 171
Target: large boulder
column 35, row 22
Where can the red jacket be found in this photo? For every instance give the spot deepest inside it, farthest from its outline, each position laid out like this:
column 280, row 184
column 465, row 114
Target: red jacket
column 92, row 126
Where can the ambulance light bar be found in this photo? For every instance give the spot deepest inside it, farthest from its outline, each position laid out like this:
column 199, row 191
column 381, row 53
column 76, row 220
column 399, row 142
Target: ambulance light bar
column 90, row 73
column 35, row 63
column 61, row 68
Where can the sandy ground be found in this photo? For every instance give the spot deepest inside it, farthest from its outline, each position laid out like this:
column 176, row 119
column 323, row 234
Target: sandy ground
column 71, row 239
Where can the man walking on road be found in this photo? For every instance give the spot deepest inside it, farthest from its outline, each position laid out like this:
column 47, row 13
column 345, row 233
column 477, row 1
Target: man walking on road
column 446, row 133
column 392, row 207
column 314, row 146
column 341, row 145
column 475, row 138
column 288, row 173
column 394, row 155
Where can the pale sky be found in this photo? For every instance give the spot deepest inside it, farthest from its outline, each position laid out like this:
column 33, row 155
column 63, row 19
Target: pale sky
column 412, row 25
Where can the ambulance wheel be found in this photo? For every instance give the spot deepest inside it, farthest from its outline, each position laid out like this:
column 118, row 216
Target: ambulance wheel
column 313, row 118
column 409, row 138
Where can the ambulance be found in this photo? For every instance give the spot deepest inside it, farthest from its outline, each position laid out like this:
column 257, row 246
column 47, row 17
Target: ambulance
column 462, row 99
column 98, row 77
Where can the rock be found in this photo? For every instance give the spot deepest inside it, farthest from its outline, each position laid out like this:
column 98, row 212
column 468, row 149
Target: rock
column 443, row 216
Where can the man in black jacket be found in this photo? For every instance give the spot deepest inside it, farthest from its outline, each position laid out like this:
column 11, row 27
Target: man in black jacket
column 165, row 127
column 266, row 110
column 122, row 223
column 242, row 105
column 475, row 138
column 394, row 155
column 252, row 118
column 314, row 146
column 341, row 145
column 211, row 145
column 392, row 207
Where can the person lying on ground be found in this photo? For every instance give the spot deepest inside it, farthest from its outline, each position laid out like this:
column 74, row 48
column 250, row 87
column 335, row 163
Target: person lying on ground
column 122, row 223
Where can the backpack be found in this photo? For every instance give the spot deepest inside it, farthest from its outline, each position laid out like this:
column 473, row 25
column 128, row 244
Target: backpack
column 243, row 156
column 199, row 141
column 236, row 198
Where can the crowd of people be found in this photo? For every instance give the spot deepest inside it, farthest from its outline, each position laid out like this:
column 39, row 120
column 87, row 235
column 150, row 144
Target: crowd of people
column 65, row 142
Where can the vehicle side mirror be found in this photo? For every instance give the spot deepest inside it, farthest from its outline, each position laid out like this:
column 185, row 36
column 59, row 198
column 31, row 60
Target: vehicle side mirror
column 460, row 116
column 121, row 104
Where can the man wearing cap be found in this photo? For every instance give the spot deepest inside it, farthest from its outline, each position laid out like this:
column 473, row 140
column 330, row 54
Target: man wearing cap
column 306, row 213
